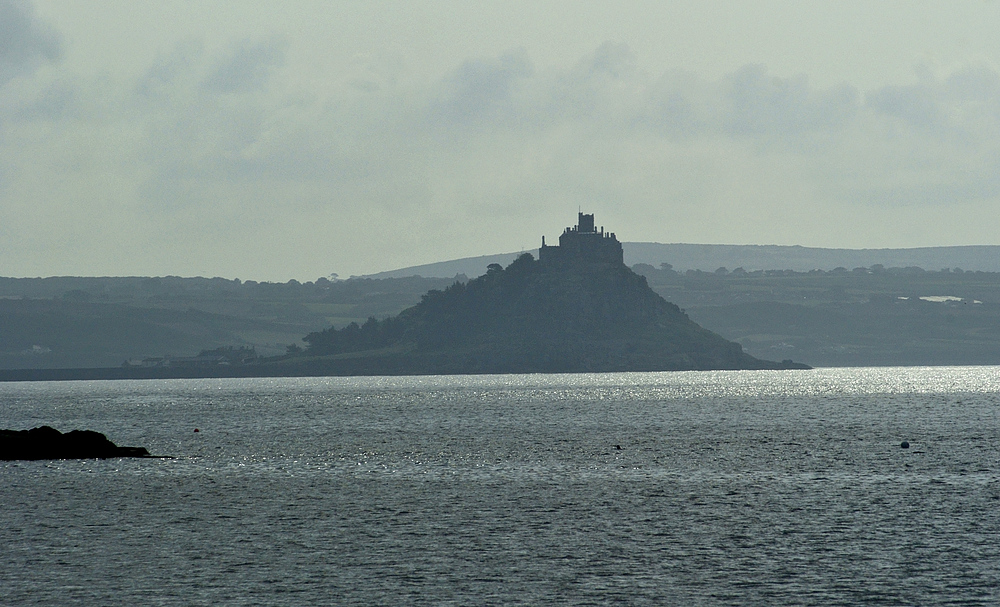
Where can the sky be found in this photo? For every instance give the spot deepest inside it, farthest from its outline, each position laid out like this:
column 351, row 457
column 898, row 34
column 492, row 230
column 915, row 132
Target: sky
column 302, row 139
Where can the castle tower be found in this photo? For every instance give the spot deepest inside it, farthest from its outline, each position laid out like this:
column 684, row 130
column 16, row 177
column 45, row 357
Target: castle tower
column 582, row 244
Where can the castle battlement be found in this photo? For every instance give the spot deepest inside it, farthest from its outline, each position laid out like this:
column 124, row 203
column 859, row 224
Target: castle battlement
column 583, row 243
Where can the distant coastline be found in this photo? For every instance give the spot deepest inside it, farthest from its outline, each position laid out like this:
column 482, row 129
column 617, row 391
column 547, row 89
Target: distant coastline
column 118, row 373
column 121, row 373
column 896, row 314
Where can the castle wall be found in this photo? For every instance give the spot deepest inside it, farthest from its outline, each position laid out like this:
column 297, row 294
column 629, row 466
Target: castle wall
column 583, row 244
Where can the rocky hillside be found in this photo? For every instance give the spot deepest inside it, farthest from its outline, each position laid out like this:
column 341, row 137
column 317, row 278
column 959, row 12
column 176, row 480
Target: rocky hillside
column 531, row 317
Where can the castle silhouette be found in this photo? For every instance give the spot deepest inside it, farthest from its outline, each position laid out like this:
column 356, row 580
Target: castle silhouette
column 582, row 243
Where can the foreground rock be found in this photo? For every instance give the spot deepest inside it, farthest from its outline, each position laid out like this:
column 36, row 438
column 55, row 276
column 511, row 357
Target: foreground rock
column 48, row 443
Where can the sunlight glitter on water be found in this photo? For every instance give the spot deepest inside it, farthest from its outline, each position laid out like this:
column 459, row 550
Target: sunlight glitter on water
column 785, row 487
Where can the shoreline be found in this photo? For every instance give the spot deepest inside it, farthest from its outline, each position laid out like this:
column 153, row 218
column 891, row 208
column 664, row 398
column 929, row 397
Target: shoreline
column 124, row 373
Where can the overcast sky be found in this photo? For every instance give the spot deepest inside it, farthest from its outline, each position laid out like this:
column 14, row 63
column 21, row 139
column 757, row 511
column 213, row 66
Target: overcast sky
column 269, row 141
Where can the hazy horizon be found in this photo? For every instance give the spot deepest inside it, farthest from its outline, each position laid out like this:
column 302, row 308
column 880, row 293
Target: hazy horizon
column 269, row 142
column 683, row 257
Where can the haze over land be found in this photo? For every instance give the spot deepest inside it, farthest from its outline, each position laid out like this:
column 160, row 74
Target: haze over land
column 271, row 141
column 709, row 258
column 860, row 317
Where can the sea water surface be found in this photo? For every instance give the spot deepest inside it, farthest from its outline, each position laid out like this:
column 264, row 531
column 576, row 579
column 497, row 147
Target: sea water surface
column 701, row 488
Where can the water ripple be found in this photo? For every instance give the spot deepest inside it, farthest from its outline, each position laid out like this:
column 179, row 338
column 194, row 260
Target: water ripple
column 728, row 488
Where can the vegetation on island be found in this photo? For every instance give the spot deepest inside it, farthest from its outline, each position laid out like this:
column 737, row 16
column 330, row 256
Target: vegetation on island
column 530, row 317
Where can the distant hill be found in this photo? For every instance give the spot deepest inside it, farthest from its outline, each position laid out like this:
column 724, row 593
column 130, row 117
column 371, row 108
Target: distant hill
column 75, row 322
column 709, row 257
column 467, row 266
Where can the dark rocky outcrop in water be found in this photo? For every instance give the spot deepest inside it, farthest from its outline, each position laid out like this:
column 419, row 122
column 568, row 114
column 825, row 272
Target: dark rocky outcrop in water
column 48, row 443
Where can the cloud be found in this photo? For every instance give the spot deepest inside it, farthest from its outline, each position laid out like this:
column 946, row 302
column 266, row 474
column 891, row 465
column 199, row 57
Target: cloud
column 171, row 70
column 248, row 68
column 212, row 163
column 915, row 104
column 612, row 59
column 605, row 91
column 764, row 105
column 962, row 105
column 25, row 42
column 481, row 89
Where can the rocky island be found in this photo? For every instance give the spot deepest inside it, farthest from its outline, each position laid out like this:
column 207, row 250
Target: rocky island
column 577, row 308
column 46, row 442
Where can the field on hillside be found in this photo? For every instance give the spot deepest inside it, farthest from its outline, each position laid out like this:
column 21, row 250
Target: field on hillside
column 865, row 316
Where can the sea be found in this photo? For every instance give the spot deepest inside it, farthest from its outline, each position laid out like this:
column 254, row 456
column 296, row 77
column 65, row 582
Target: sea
column 682, row 488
